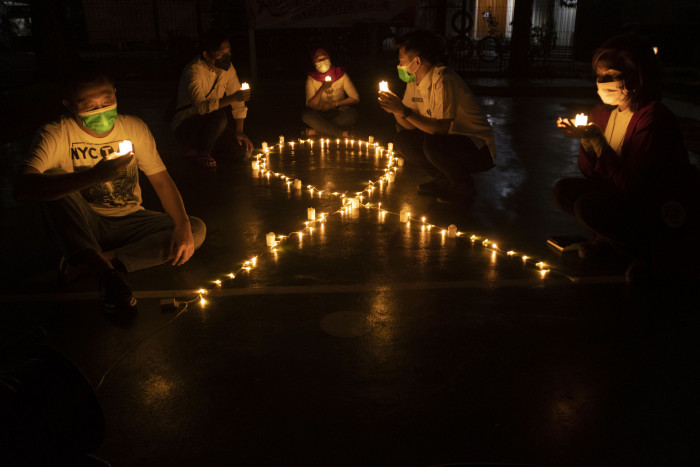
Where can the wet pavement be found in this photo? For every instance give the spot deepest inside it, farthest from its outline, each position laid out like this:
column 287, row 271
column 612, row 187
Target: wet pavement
column 366, row 340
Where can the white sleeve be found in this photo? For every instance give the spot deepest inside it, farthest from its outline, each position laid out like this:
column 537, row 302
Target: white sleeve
column 147, row 156
column 202, row 99
column 238, row 108
column 349, row 88
column 44, row 149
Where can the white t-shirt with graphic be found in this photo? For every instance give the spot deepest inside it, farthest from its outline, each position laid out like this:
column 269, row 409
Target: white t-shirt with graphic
column 442, row 94
column 63, row 145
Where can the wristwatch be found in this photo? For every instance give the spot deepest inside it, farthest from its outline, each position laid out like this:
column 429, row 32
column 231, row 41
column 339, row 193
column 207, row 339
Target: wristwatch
column 406, row 112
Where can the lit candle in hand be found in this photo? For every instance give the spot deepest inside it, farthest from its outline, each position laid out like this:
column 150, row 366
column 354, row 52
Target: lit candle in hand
column 245, row 86
column 581, row 120
column 384, row 86
column 327, row 79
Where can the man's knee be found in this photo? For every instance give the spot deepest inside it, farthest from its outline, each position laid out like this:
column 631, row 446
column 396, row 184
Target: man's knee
column 199, row 231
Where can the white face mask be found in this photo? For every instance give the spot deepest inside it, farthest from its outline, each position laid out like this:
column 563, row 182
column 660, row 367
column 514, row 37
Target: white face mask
column 612, row 93
column 324, row 65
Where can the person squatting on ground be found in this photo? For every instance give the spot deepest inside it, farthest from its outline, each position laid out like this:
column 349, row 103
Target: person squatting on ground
column 330, row 99
column 639, row 184
column 210, row 109
column 91, row 200
column 441, row 127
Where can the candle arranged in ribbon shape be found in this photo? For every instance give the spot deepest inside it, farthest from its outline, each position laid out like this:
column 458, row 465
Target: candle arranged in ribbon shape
column 581, row 120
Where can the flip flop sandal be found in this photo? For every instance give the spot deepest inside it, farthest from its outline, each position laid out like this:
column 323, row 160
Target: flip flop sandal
column 206, row 162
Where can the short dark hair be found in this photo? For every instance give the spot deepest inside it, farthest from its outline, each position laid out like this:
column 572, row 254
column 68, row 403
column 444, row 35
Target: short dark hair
column 425, row 44
column 634, row 56
column 84, row 74
column 212, row 39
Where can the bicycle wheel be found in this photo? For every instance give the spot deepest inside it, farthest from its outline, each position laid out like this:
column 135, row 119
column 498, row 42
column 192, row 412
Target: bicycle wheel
column 457, row 19
column 488, row 49
column 461, row 48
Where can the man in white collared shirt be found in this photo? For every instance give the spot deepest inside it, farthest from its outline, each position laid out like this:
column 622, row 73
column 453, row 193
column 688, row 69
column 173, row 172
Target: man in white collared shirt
column 210, row 101
column 442, row 128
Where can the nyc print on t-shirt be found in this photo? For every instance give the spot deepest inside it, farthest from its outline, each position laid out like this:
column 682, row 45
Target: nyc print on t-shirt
column 118, row 192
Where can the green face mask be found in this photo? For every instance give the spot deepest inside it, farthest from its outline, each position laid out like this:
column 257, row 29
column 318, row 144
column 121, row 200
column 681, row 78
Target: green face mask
column 100, row 120
column 404, row 75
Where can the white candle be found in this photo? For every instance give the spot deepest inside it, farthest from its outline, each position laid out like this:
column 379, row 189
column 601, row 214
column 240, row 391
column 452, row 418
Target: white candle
column 355, row 202
column 390, row 147
column 399, row 161
column 281, row 139
column 452, row 231
column 264, row 146
column 125, row 147
column 404, row 215
column 391, row 176
column 384, row 86
column 270, row 239
column 370, row 139
column 311, row 214
column 297, row 184
column 255, row 165
column 245, row 86
column 581, row 120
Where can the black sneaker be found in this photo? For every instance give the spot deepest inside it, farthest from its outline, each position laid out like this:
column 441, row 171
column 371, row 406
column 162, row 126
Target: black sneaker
column 434, row 187
column 115, row 292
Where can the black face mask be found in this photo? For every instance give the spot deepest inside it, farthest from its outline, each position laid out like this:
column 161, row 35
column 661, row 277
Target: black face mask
column 224, row 62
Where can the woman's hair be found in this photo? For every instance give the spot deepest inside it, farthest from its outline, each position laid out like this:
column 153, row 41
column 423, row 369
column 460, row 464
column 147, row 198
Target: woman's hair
column 425, row 44
column 634, row 57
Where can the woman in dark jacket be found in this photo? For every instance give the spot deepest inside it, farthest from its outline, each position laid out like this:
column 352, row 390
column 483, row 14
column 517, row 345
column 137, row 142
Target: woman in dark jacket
column 639, row 187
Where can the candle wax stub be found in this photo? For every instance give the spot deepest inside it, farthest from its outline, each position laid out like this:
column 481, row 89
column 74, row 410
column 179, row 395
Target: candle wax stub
column 403, row 216
column 245, row 86
column 452, row 231
column 581, row 120
column 281, row 139
column 297, row 183
column 270, row 239
column 311, row 214
column 390, row 147
column 399, row 161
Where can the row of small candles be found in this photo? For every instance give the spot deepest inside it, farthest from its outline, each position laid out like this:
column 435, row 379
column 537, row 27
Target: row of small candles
column 350, row 203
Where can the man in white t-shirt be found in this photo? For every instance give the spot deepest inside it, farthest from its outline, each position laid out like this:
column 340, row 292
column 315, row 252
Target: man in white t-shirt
column 330, row 99
column 84, row 173
column 210, row 109
column 441, row 127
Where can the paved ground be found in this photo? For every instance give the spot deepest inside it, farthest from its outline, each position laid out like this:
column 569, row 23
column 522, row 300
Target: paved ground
column 370, row 341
